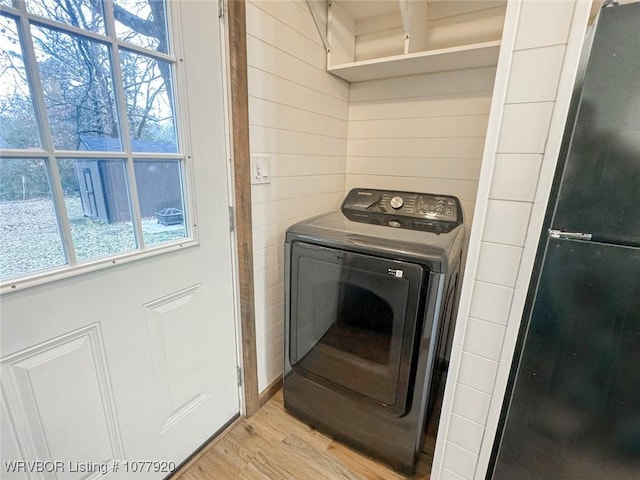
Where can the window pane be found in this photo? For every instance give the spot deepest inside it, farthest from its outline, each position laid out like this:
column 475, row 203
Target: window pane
column 29, row 232
column 142, row 22
column 78, row 90
column 97, row 201
column 85, row 14
column 159, row 184
column 147, row 86
column 17, row 120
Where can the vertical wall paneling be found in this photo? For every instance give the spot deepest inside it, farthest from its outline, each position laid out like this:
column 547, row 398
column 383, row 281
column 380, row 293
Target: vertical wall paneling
column 298, row 118
column 524, row 133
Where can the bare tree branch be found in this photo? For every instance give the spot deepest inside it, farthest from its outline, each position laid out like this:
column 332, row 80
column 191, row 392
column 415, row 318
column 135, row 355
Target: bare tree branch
column 138, row 24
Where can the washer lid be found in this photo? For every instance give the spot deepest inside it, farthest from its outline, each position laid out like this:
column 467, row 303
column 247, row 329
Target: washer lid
column 436, row 250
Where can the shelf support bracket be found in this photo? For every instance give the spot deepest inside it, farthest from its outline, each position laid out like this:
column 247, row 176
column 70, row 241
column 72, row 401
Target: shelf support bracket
column 316, row 20
column 405, row 12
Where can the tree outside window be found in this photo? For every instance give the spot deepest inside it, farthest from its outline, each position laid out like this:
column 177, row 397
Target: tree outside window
column 91, row 165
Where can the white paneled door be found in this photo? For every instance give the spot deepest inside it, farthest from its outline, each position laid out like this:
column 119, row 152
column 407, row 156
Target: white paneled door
column 118, row 372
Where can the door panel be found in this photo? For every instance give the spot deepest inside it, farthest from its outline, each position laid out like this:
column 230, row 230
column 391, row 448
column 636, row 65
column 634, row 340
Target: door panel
column 137, row 361
column 601, row 180
column 44, row 406
column 575, row 410
column 90, row 192
column 177, row 349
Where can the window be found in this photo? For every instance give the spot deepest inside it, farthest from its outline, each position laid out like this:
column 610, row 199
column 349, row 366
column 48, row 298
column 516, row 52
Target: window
column 91, row 165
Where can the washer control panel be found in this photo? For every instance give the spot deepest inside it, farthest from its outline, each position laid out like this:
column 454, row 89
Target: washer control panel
column 416, row 211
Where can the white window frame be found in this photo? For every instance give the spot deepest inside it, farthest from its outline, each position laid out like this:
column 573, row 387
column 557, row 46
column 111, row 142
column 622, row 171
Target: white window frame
column 181, row 116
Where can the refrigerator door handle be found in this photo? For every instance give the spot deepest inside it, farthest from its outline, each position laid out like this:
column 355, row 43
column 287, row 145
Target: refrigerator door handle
column 569, row 235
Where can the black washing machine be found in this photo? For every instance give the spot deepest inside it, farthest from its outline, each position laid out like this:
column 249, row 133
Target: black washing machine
column 370, row 297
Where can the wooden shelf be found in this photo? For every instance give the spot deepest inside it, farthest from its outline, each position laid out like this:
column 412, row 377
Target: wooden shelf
column 455, row 58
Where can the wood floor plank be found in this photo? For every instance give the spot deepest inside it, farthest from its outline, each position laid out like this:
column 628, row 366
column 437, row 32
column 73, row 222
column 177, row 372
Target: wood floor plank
column 318, row 461
column 277, row 418
column 269, row 454
column 364, row 466
column 273, row 445
column 233, row 451
column 209, row 467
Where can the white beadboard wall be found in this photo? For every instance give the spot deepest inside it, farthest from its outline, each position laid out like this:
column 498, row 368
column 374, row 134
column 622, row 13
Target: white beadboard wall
column 421, row 133
column 298, row 116
column 535, row 76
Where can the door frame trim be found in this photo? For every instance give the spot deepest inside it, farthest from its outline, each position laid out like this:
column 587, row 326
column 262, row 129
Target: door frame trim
column 239, row 131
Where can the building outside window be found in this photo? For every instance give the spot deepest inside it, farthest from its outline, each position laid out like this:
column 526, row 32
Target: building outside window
column 91, row 165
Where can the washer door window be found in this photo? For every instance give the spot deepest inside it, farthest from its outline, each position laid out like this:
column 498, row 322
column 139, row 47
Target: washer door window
column 354, row 321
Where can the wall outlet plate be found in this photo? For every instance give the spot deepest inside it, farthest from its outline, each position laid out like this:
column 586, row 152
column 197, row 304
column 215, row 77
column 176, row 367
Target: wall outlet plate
column 260, row 169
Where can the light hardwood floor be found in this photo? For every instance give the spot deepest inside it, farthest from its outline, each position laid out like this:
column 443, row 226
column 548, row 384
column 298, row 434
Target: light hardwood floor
column 273, row 445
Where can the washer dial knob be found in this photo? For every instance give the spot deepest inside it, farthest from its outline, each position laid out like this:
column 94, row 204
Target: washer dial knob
column 396, row 202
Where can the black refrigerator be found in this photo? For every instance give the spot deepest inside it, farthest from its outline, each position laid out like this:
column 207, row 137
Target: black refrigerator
column 572, row 409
